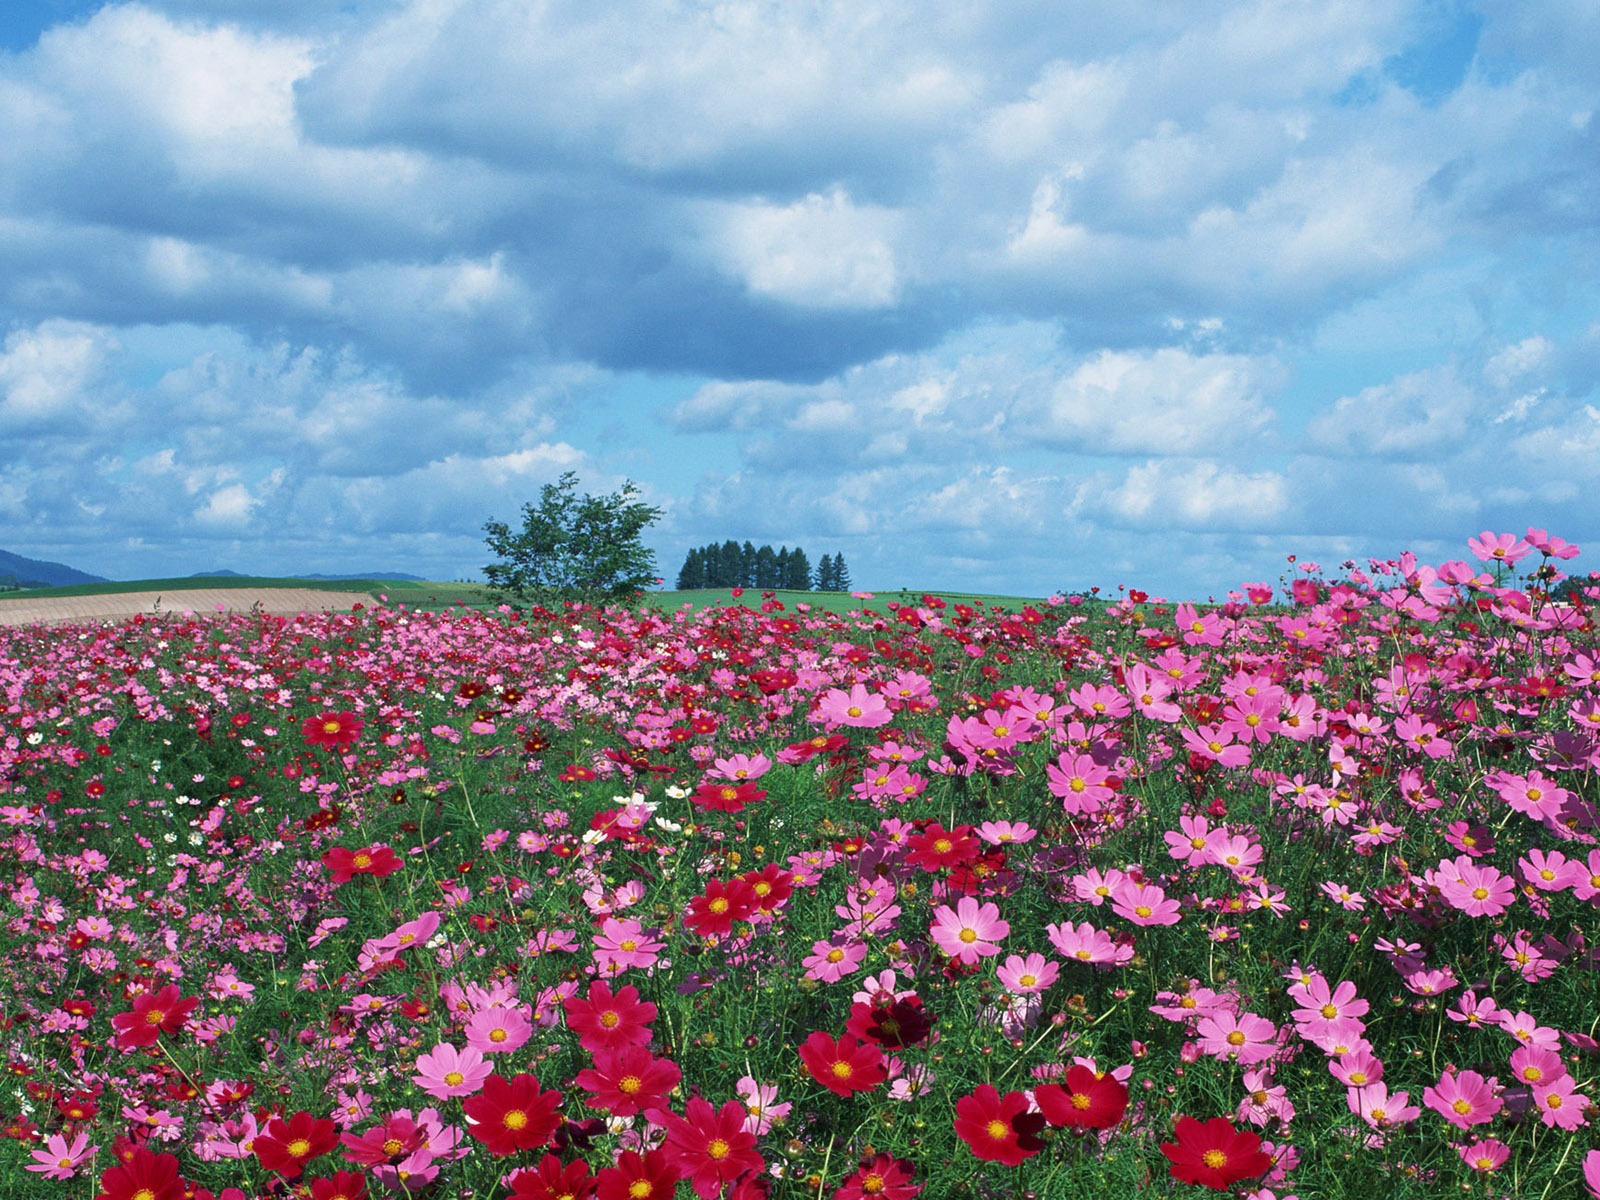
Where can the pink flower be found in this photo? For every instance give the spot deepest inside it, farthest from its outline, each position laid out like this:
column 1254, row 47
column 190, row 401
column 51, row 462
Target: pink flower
column 1246, row 1038
column 621, row 944
column 831, row 961
column 445, row 1071
column 1079, row 782
column 858, row 708
column 969, row 931
column 1189, row 845
column 1560, row 1104
column 1083, row 943
column 60, row 1159
column 1485, row 1156
column 1358, row 1069
column 1464, row 1098
column 1591, row 1173
column 1477, row 891
column 498, row 1030
column 1144, row 904
column 1374, row 1105
column 1499, row 547
column 1028, row 976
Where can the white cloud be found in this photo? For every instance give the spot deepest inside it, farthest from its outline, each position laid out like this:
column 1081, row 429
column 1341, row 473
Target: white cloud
column 823, row 251
column 1176, row 493
column 1166, row 402
column 45, row 371
column 1415, row 416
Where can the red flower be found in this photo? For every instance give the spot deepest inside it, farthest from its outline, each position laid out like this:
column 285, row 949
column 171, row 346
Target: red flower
column 376, row 860
column 884, row 1178
column 998, row 1128
column 152, row 1015
column 1087, row 1101
column 345, row 1185
column 937, row 848
column 513, row 1115
column 844, row 1066
column 286, row 1146
column 1214, row 1154
column 143, row 1174
column 772, row 885
column 552, row 1181
column 333, row 730
column 710, row 1145
column 604, row 1021
column 627, row 1081
column 727, row 797
column 714, row 912
column 653, row 1177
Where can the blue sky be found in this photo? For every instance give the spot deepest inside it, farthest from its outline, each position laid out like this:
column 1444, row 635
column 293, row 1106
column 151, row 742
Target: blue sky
column 1012, row 296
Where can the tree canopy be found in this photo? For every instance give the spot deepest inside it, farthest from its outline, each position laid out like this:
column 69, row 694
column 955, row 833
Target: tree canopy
column 572, row 547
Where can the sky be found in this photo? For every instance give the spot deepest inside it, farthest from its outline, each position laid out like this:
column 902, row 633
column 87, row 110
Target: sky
column 985, row 295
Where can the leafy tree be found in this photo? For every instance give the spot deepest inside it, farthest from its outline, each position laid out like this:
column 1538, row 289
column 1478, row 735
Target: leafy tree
column 573, row 547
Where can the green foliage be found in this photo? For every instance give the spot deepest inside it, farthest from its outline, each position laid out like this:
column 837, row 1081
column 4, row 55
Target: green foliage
column 570, row 547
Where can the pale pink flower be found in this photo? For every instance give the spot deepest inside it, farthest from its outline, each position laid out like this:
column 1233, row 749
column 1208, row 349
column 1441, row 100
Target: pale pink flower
column 1380, row 1110
column 445, row 1071
column 498, row 1030
column 1146, row 905
column 1560, row 1104
column 1083, row 943
column 1026, row 976
column 831, row 961
column 858, row 708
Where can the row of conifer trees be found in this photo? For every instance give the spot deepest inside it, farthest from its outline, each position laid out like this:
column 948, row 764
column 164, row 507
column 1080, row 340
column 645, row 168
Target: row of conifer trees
column 734, row 565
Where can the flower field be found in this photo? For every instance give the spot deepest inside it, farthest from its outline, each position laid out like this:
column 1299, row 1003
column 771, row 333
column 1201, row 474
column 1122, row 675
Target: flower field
column 1296, row 893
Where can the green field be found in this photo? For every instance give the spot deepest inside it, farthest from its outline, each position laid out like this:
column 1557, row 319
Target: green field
column 433, row 595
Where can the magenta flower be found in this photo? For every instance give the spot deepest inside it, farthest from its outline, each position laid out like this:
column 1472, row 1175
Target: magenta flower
column 1591, row 1173
column 622, row 943
column 1464, row 1098
column 1560, row 1104
column 445, row 1071
column 969, row 931
column 831, row 961
column 1374, row 1105
column 1484, row 1156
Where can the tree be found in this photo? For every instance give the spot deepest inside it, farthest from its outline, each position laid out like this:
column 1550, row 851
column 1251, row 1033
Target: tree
column 692, row 577
column 824, row 581
column 797, row 577
column 587, row 548
column 841, row 574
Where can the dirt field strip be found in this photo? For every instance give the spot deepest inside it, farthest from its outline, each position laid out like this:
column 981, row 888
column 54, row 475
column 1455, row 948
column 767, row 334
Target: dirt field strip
column 64, row 610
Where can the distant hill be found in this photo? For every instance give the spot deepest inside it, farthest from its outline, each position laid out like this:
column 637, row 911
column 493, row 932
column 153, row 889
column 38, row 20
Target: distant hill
column 396, row 575
column 33, row 572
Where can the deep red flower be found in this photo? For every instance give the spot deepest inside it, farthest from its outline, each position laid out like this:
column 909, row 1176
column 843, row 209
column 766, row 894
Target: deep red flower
column 511, row 1115
column 998, row 1128
column 345, row 1185
column 335, row 730
column 153, row 1014
column 1214, row 1154
column 883, row 1178
column 626, row 1081
column 286, row 1146
column 142, row 1175
column 377, row 860
column 896, row 1024
column 1085, row 1100
column 651, row 1177
column 714, row 912
column 552, row 1181
column 710, row 1145
column 607, row 1021
column 845, row 1066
